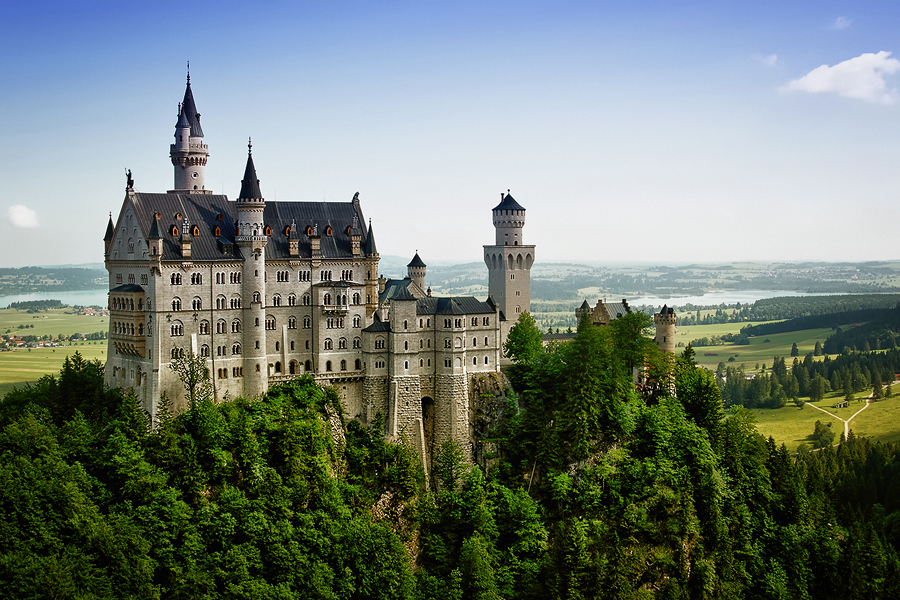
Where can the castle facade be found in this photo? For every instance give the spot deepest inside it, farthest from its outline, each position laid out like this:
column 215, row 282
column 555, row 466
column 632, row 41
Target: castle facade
column 267, row 291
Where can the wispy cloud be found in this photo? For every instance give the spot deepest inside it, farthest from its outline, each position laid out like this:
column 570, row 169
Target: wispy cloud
column 22, row 216
column 768, row 61
column 840, row 23
column 861, row 77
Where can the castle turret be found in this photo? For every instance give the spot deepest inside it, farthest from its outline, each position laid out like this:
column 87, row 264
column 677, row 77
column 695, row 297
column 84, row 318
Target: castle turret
column 509, row 263
column 665, row 321
column 252, row 239
column 189, row 154
column 107, row 239
column 415, row 270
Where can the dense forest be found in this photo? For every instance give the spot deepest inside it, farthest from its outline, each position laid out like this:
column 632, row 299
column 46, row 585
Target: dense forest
column 880, row 332
column 798, row 312
column 598, row 489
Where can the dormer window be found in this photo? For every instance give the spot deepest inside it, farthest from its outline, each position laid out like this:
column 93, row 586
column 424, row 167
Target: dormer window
column 218, row 231
column 287, row 230
column 349, row 229
column 196, row 231
column 309, row 230
column 175, row 232
column 220, row 217
column 177, row 216
column 329, row 231
column 268, row 230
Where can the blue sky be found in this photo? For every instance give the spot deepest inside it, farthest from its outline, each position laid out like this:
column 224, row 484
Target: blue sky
column 659, row 132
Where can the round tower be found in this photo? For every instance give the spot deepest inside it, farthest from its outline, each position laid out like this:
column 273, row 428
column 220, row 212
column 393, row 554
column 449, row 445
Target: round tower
column 252, row 239
column 665, row 321
column 189, row 154
column 509, row 219
column 415, row 270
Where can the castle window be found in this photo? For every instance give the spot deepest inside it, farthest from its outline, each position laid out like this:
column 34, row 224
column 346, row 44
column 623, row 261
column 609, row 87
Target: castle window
column 429, row 362
column 196, row 231
column 218, row 232
column 357, row 365
column 485, row 320
column 292, row 300
column 485, row 341
column 292, row 323
column 474, row 321
column 405, row 324
column 309, row 232
column 305, row 299
column 270, row 322
column 196, row 278
column 343, row 365
column 327, row 300
column 175, row 231
column 292, row 345
column 474, row 342
column 329, row 231
column 485, row 360
column 236, row 349
column 204, row 327
column 278, row 367
column 236, row 302
column 328, row 344
column 512, row 275
column 276, row 300
column 220, row 326
column 328, row 365
column 448, row 323
column 307, row 322
column 197, row 304
column 421, row 344
column 406, row 345
column 307, row 366
column 405, row 364
column 427, row 322
column 131, row 278
column 518, row 309
column 448, row 362
column 357, row 343
column 448, row 343
column 236, row 326
column 356, row 298
column 144, row 280
column 421, row 363
column 204, row 351
column 379, row 344
column 474, row 361
column 292, row 367
column 141, row 329
column 458, row 323
column 342, row 344
column 256, row 298
column 268, row 230
column 277, row 346
column 356, row 321
column 176, row 279
column 176, row 304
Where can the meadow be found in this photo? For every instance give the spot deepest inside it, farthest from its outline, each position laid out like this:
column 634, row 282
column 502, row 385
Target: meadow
column 23, row 365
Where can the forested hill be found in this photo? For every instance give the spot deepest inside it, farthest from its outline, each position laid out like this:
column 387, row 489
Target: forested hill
column 597, row 490
column 880, row 332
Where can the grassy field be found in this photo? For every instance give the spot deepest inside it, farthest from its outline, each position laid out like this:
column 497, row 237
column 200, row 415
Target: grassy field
column 28, row 365
column 51, row 322
column 792, row 426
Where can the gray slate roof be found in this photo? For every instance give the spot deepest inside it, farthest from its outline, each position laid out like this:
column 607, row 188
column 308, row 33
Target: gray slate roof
column 250, row 184
column 509, row 203
column 189, row 109
column 456, row 305
column 416, row 262
column 203, row 210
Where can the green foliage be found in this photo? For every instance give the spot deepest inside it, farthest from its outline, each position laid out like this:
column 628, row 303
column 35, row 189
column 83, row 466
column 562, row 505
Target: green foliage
column 524, row 341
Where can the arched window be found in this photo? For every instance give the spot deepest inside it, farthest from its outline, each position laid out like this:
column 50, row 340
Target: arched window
column 342, row 344
column 176, row 304
column 220, row 326
column 356, row 321
column 328, row 365
column 196, row 303
column 292, row 323
column 343, row 365
column 270, row 322
column 306, row 300
column 307, row 322
column 236, row 326
column 256, row 297
column 292, row 300
column 328, row 344
column 204, row 327
column 236, row 302
column 307, row 366
column 276, row 300
column 358, row 364
column 236, row 349
column 357, row 343
column 278, row 366
column 204, row 351
column 268, row 230
column 176, row 278
column 292, row 367
column 221, row 302
column 327, row 299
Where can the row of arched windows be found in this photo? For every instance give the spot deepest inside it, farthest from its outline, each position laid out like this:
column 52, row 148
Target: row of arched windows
column 128, row 328
column 125, row 304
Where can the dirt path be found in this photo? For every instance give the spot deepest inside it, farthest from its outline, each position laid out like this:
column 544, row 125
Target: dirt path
column 847, row 421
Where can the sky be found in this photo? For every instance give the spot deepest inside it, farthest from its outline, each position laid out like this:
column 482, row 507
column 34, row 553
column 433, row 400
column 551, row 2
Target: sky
column 646, row 132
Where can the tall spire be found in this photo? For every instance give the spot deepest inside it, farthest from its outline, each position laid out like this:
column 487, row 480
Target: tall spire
column 189, row 154
column 370, row 241
column 189, row 109
column 250, row 184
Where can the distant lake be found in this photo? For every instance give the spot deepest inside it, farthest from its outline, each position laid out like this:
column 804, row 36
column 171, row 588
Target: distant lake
column 724, row 297
column 80, row 297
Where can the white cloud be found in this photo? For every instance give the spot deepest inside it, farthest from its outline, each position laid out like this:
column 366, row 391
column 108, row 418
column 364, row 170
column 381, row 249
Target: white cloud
column 768, row 61
column 22, row 216
column 861, row 77
column 840, row 23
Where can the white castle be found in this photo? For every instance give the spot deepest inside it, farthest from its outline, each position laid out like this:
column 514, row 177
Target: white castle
column 268, row 291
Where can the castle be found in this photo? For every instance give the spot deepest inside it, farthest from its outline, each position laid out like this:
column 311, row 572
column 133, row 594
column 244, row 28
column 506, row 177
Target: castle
column 266, row 291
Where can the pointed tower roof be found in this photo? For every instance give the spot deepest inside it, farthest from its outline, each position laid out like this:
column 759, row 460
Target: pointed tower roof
column 370, row 241
column 250, row 184
column 110, row 230
column 189, row 110
column 585, row 305
column 508, row 203
column 416, row 262
column 154, row 229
